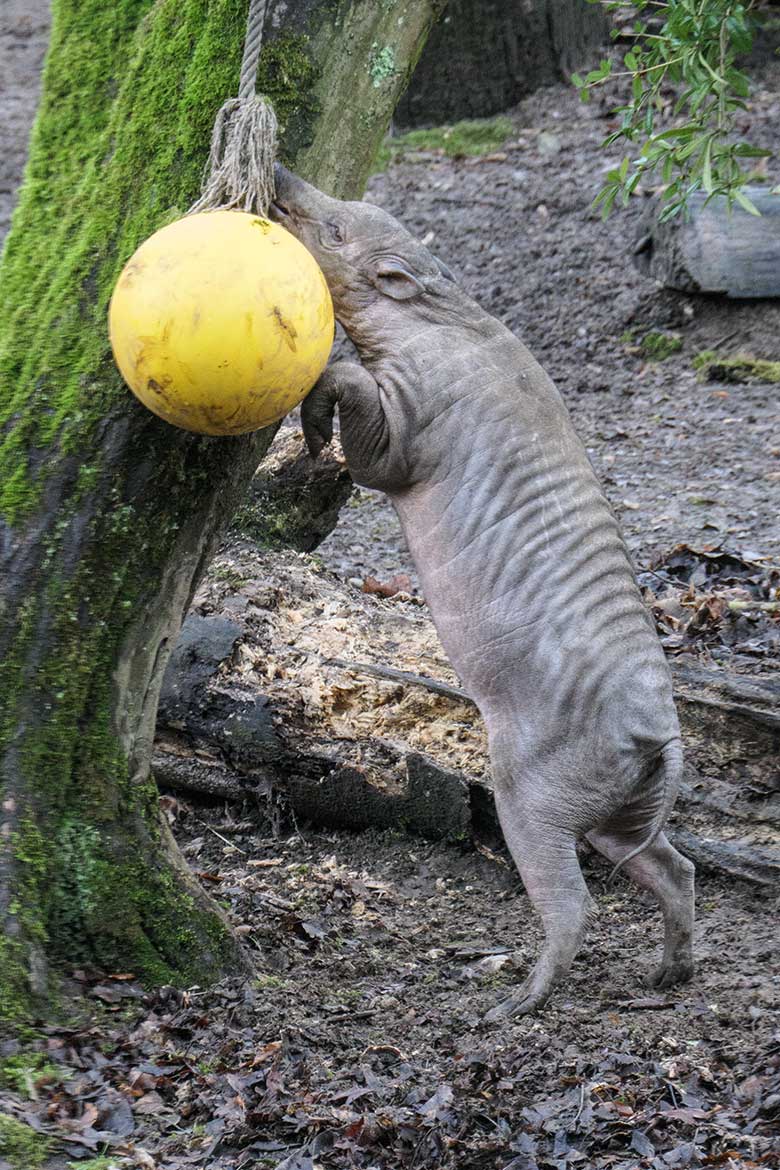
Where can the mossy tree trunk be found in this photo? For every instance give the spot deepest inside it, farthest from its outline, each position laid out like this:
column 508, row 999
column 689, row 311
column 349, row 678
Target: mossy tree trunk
column 108, row 516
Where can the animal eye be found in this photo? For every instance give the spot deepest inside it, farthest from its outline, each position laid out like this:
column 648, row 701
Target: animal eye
column 336, row 233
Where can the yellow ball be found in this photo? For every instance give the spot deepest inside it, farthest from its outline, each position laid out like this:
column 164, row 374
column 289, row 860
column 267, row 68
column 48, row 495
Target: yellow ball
column 221, row 322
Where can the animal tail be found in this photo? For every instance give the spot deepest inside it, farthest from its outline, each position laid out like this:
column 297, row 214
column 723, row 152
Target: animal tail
column 672, row 764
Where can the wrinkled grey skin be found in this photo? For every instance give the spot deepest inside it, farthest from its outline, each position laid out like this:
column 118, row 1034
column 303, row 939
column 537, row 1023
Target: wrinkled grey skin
column 521, row 562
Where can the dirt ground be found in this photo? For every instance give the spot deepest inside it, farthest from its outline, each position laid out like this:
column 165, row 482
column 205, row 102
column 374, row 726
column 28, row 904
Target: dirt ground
column 361, row 1042
column 24, row 28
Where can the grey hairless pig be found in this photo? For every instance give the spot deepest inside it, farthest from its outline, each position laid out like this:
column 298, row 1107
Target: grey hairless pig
column 521, row 562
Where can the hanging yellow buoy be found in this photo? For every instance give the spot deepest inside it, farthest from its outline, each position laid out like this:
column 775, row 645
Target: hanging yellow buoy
column 221, row 322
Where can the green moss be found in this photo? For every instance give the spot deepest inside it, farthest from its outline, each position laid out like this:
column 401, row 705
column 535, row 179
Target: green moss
column 102, row 1163
column 121, row 904
column 658, row 346
column 741, row 368
column 27, row 1070
column 104, row 174
column 162, row 933
column 25, row 936
column 96, row 884
column 229, row 575
column 272, row 526
column 381, row 64
column 464, row 139
column 14, row 983
column 268, row 982
column 21, row 1146
column 74, row 896
column 15, row 494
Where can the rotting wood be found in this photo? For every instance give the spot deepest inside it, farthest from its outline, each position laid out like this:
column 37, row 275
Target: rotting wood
column 711, row 794
column 293, row 500
column 185, row 772
column 731, row 724
column 280, row 717
column 748, row 711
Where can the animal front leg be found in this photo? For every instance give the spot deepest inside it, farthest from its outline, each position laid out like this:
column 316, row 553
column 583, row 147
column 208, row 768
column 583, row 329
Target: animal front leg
column 374, row 454
column 318, row 410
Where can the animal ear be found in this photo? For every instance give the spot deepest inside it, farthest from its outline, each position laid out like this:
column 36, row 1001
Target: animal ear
column 393, row 279
column 444, row 270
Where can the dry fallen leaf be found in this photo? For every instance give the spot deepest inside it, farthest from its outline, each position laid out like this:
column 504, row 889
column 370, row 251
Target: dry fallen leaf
column 401, row 583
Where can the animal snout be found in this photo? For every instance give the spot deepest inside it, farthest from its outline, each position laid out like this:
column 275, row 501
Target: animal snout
column 291, row 193
column 280, row 209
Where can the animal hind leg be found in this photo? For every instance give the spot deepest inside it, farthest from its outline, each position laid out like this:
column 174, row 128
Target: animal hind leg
column 670, row 879
column 546, row 857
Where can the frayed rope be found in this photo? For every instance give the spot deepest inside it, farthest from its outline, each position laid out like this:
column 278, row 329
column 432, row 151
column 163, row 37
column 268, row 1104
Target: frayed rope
column 240, row 169
column 240, row 172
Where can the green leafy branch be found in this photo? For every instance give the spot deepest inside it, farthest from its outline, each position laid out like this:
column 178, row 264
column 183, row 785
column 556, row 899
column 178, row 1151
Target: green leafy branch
column 690, row 47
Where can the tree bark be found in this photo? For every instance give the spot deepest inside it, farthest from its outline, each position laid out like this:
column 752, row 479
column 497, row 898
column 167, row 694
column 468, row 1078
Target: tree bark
column 294, row 502
column 486, row 55
column 107, row 515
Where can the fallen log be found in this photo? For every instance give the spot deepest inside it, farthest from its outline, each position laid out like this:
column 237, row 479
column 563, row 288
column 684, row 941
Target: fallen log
column 715, row 250
column 739, row 861
column 183, row 771
column 731, row 725
column 280, row 689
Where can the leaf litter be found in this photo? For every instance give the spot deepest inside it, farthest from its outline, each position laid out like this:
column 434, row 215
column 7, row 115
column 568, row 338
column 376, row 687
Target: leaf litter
column 717, row 605
column 360, row 1041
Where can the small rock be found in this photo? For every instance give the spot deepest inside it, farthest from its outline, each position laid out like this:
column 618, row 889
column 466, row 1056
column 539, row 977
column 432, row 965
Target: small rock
column 235, row 604
column 548, row 143
column 487, row 966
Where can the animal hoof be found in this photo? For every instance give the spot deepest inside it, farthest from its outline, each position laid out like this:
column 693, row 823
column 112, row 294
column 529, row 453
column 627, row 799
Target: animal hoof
column 519, row 1004
column 670, row 974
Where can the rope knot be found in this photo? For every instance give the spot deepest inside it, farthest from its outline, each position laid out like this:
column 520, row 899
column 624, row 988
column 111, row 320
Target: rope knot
column 240, row 170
